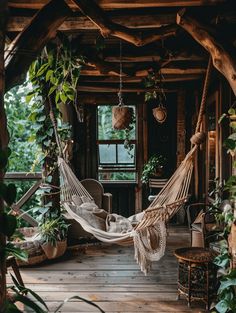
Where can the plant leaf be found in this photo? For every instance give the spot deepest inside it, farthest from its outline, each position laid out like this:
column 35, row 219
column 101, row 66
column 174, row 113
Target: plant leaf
column 9, row 224
column 29, row 303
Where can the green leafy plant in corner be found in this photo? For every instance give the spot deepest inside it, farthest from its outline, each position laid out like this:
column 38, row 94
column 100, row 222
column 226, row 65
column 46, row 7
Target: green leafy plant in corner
column 155, row 163
column 227, row 275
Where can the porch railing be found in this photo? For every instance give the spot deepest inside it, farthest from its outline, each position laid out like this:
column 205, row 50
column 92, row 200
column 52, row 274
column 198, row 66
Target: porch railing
column 16, row 207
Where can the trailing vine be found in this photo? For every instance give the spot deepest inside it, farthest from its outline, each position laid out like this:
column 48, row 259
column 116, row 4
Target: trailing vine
column 54, row 76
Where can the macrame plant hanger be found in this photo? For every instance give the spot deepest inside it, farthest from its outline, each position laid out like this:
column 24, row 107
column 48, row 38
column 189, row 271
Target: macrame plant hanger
column 121, row 114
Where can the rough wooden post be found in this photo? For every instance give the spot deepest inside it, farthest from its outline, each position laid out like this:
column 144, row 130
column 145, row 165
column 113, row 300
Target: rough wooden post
column 3, row 140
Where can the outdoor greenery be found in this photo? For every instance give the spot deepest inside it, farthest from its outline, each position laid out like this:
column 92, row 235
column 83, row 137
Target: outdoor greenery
column 106, row 132
column 21, row 129
column 227, row 288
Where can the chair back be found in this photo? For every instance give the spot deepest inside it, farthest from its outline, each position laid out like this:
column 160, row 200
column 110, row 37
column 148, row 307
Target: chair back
column 95, row 189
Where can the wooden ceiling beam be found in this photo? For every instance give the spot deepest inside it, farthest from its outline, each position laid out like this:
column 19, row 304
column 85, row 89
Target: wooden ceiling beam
column 144, row 72
column 111, row 89
column 222, row 52
column 109, row 28
column 30, row 42
column 115, row 79
column 111, row 99
column 76, row 23
column 120, row 4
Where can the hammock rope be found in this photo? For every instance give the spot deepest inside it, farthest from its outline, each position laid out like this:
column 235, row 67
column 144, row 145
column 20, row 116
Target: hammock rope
column 149, row 234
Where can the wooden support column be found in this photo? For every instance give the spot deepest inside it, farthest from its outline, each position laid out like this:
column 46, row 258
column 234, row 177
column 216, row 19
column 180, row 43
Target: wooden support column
column 181, row 132
column 140, row 154
column 33, row 38
column 223, row 52
column 3, row 141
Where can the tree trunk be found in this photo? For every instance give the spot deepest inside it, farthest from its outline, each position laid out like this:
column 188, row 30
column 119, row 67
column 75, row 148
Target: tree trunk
column 3, row 141
column 222, row 52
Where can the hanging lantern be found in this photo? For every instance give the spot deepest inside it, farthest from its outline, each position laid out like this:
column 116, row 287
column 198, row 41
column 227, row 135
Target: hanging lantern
column 160, row 113
column 122, row 116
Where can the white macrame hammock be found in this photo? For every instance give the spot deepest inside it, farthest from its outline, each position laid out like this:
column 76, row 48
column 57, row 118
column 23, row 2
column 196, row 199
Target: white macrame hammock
column 149, row 234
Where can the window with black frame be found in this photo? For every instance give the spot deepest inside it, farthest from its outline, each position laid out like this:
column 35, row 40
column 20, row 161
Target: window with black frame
column 116, row 148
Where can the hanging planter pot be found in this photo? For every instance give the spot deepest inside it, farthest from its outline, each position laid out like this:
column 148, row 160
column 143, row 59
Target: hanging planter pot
column 160, row 114
column 122, row 117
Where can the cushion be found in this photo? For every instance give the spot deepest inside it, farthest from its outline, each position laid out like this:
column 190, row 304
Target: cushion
column 85, row 211
column 117, row 224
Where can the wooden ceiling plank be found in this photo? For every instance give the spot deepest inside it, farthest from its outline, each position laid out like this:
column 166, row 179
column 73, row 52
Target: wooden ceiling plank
column 120, row 4
column 107, row 27
column 32, row 39
column 106, row 98
column 144, row 72
column 222, row 52
column 115, row 80
column 76, row 23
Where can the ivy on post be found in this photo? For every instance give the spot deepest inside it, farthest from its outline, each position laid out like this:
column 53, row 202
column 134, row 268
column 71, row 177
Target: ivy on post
column 3, row 146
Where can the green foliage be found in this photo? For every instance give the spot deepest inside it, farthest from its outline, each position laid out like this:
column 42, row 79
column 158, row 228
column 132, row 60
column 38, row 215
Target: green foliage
column 150, row 168
column 154, row 81
column 23, row 150
column 227, row 290
column 20, row 295
column 8, row 222
column 53, row 230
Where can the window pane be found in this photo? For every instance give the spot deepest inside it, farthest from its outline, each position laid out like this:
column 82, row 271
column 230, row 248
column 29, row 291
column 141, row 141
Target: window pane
column 126, row 156
column 107, row 154
column 117, row 176
column 105, row 130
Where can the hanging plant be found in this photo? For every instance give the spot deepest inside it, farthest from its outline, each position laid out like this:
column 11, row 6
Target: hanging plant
column 123, row 116
column 154, row 80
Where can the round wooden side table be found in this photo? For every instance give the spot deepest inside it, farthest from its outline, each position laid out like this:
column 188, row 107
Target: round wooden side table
column 197, row 278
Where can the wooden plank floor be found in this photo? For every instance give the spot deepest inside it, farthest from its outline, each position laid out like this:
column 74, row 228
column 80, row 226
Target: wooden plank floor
column 109, row 276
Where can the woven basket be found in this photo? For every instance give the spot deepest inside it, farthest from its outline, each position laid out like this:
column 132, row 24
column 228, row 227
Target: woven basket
column 53, row 252
column 32, row 246
column 121, row 117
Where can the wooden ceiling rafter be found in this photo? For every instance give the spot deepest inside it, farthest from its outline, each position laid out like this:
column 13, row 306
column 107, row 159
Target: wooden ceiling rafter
column 120, row 4
column 27, row 45
column 222, row 52
column 135, row 79
column 77, row 23
column 109, row 28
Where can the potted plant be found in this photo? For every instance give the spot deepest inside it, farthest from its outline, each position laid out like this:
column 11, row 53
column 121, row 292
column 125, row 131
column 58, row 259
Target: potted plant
column 53, row 234
column 153, row 167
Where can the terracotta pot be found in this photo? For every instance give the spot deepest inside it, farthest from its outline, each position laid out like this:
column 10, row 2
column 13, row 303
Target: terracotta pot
column 53, row 252
column 160, row 114
column 121, row 117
